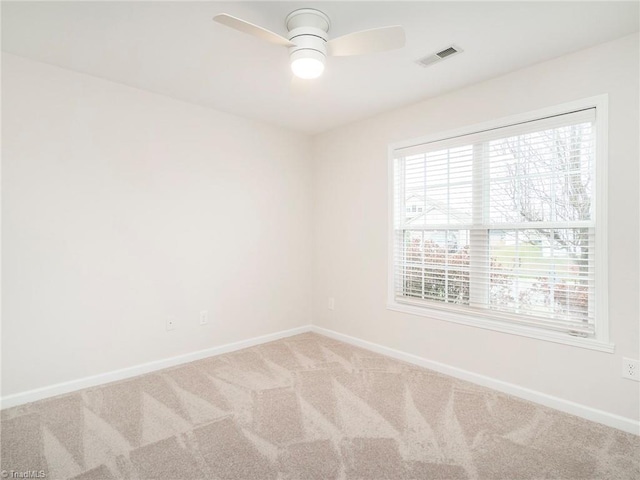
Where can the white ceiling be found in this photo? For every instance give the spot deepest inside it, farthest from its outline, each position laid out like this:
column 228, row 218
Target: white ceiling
column 175, row 49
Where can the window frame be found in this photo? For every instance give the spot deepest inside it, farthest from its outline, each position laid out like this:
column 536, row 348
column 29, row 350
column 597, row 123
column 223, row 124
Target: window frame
column 496, row 321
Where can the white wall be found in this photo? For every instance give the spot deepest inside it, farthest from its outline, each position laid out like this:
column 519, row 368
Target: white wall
column 121, row 207
column 350, row 230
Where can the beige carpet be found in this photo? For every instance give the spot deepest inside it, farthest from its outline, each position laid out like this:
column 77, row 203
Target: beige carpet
column 306, row 407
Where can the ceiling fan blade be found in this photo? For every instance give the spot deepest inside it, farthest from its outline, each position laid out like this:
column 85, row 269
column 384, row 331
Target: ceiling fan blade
column 251, row 29
column 367, row 41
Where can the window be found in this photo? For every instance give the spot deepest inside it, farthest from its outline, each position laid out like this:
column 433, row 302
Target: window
column 511, row 234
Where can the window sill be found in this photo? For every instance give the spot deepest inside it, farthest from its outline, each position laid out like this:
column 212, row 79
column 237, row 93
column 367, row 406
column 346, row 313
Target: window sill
column 500, row 326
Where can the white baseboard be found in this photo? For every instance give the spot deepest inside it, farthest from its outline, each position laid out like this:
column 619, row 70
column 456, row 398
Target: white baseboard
column 573, row 408
column 124, row 373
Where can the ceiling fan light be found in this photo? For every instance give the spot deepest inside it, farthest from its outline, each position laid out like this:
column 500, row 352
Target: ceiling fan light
column 307, row 64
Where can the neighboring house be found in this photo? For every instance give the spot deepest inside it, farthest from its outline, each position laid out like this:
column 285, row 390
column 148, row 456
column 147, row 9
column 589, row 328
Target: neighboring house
column 421, row 209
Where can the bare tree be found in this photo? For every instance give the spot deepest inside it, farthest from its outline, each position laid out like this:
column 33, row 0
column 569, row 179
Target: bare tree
column 546, row 180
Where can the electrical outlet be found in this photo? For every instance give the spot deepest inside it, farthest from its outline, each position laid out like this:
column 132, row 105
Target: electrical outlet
column 332, row 303
column 631, row 369
column 204, row 317
column 171, row 324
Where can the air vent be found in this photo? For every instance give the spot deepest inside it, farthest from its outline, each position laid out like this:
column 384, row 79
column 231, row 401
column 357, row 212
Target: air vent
column 436, row 57
column 446, row 52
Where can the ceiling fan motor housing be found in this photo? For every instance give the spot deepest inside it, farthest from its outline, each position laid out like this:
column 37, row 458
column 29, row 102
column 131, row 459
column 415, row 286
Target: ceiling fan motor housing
column 308, row 31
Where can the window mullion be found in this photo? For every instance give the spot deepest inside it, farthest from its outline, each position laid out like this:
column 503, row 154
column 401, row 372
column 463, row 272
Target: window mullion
column 479, row 235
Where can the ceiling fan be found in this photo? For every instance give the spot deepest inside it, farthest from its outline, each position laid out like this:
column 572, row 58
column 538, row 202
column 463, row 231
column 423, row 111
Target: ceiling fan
column 308, row 39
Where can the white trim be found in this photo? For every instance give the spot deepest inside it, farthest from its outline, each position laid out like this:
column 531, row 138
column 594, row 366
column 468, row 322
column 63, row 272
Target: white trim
column 507, row 127
column 589, row 413
column 469, row 319
column 601, row 201
column 601, row 342
column 128, row 372
column 595, row 101
column 593, row 414
column 391, row 240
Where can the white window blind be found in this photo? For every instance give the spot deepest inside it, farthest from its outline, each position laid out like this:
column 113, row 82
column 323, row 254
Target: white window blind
column 501, row 224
